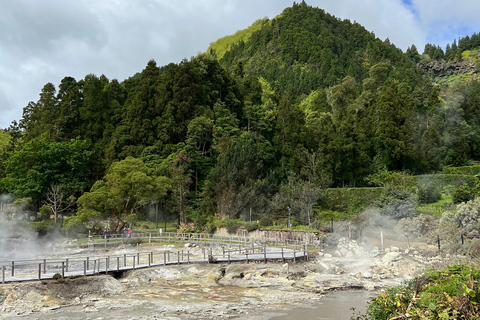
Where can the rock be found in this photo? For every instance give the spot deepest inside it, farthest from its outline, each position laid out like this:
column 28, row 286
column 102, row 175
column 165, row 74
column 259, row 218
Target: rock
column 394, row 249
column 390, row 257
column 327, row 255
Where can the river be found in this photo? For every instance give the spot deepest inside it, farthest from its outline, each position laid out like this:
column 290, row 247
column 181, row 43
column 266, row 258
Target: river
column 335, row 306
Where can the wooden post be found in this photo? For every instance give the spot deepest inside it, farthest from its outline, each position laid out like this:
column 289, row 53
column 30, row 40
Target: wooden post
column 228, row 257
column 182, row 256
column 94, row 266
column 138, row 258
column 118, row 264
column 381, row 239
column 84, row 268
column 106, row 265
column 63, row 269
column 66, row 265
column 283, row 257
column 133, row 262
column 203, row 253
column 13, row 268
column 246, row 256
column 223, row 251
column 265, row 255
column 124, row 260
column 39, row 271
column 151, row 256
column 149, row 259
column 44, row 265
column 164, row 258
column 294, row 249
column 3, row 274
column 178, row 258
column 188, row 256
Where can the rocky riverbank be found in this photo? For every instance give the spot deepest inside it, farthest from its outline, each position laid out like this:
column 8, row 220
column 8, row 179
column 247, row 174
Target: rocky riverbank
column 215, row 291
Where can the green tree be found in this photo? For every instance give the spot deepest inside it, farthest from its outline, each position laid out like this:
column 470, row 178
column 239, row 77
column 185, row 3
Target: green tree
column 128, row 185
column 42, row 162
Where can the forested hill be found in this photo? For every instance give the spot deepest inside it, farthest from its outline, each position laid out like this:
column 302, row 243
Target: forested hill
column 300, row 102
column 305, row 48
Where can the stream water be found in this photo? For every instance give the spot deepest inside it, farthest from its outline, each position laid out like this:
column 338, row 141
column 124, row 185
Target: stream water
column 335, row 306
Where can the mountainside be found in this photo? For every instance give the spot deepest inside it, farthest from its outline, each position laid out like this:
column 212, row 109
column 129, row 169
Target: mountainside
column 298, row 103
column 305, row 49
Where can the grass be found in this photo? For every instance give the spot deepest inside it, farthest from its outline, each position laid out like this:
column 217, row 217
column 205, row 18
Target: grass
column 437, row 208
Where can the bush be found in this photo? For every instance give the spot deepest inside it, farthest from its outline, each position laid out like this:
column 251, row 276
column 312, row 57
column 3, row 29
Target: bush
column 210, row 228
column 232, row 226
column 463, row 194
column 428, row 193
column 352, row 200
column 452, row 293
column 467, row 170
column 72, row 226
column 416, row 227
column 264, row 222
column 468, row 218
column 251, row 226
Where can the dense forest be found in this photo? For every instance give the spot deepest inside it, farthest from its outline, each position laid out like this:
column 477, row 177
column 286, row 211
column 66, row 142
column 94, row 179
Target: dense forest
column 253, row 129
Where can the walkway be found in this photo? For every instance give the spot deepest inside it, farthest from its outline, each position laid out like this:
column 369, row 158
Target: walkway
column 43, row 269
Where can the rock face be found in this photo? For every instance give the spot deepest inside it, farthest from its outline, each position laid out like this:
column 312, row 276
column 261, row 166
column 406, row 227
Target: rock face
column 449, row 68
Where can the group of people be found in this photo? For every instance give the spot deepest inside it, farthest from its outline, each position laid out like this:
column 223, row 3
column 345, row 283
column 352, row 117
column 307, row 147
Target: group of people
column 126, row 232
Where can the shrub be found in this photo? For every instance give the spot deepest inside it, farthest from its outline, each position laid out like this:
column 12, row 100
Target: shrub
column 463, row 194
column 251, row 226
column 232, row 226
column 428, row 193
column 210, row 228
column 352, row 200
column 264, row 221
column 57, row 277
column 467, row 170
column 415, row 227
column 212, row 259
column 468, row 218
column 437, row 294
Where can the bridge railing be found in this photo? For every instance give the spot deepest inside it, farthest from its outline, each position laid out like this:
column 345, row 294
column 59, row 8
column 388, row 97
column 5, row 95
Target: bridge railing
column 194, row 238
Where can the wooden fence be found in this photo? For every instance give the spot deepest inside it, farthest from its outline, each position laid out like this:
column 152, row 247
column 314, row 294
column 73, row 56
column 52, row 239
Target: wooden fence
column 227, row 251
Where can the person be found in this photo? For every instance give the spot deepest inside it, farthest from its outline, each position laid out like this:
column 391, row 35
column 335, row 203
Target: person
column 129, row 232
column 106, row 233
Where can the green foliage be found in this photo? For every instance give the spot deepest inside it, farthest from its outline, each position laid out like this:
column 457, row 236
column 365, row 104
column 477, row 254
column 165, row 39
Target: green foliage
column 304, row 94
column 44, row 227
column 428, row 193
column 463, row 193
column 352, row 200
column 128, row 185
column 452, row 293
column 251, row 226
column 43, row 162
column 467, row 170
column 232, row 226
column 222, row 45
column 45, row 212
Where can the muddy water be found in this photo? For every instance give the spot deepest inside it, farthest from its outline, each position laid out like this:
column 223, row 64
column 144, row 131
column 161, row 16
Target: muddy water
column 335, row 306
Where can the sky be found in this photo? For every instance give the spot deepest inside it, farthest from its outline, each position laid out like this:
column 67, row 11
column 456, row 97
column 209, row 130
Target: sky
column 44, row 41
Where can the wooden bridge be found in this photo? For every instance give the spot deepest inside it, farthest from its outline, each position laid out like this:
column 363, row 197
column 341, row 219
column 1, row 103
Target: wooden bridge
column 211, row 249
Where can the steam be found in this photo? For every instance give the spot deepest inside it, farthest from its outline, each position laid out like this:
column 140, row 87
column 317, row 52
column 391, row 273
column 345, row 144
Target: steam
column 18, row 240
